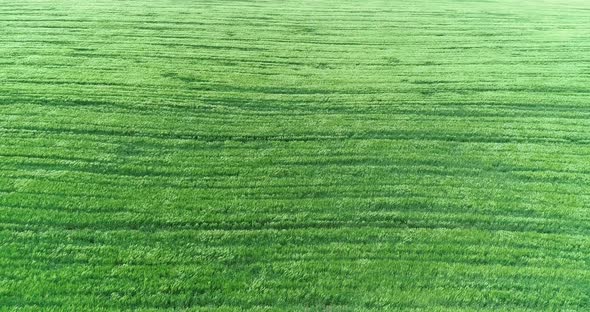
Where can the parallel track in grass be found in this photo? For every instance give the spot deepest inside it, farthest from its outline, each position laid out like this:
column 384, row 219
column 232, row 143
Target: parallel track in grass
column 295, row 155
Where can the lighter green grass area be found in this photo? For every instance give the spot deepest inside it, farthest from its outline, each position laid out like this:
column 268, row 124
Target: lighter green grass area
column 171, row 155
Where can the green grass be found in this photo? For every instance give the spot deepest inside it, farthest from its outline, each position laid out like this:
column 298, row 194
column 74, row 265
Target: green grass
column 295, row 155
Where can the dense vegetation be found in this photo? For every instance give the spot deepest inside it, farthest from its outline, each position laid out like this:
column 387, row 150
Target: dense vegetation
column 295, row 155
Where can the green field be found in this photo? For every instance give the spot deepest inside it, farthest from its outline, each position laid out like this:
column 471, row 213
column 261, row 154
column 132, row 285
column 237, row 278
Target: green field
column 298, row 155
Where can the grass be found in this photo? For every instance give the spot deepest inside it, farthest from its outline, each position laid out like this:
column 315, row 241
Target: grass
column 294, row 155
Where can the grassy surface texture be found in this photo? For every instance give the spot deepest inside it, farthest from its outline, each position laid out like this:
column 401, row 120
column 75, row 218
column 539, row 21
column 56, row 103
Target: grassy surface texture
column 295, row 155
